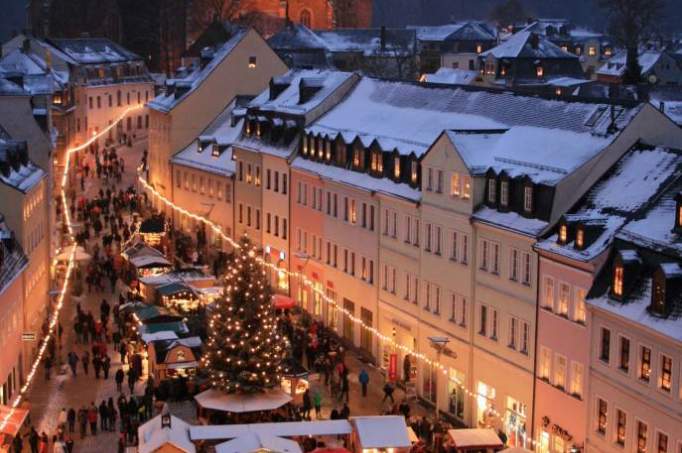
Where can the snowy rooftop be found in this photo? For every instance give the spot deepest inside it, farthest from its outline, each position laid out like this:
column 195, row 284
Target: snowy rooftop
column 408, row 117
column 511, row 221
column 16, row 170
column 153, row 437
column 368, row 41
column 167, row 101
column 670, row 98
column 470, row 438
column 251, row 442
column 8, row 88
column 466, row 31
column 520, row 45
column 288, row 101
column 635, row 180
column 223, row 134
column 282, row 429
column 382, row 431
column 13, row 258
column 296, row 37
column 615, row 66
column 452, row 76
column 94, row 50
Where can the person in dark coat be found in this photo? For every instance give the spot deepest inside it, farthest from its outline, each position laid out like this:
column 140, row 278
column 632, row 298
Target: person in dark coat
column 106, row 363
column 71, row 419
column 103, row 416
column 118, row 377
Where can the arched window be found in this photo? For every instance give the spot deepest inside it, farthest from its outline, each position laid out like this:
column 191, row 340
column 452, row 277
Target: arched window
column 306, row 18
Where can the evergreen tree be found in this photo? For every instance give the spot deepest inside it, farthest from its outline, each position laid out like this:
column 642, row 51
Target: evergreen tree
column 244, row 350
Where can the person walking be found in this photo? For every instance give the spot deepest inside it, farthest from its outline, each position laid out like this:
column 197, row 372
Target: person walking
column 86, row 361
column 73, row 362
column 61, row 419
column 317, row 402
column 68, row 442
column 131, row 381
column 83, row 421
column 33, row 439
column 97, row 365
column 71, row 419
column 345, row 412
column 123, row 350
column 307, row 404
column 103, row 416
column 388, row 392
column 106, row 364
column 44, row 443
column 118, row 377
column 92, row 418
column 345, row 387
column 363, row 377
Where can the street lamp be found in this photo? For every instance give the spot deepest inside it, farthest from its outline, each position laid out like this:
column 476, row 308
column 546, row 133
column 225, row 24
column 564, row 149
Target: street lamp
column 439, row 344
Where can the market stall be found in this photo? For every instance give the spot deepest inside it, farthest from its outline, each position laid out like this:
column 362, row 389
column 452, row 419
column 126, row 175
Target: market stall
column 153, row 230
column 295, row 379
column 174, row 358
column 474, row 440
column 144, row 261
column 252, row 442
column 380, row 433
column 15, row 421
column 178, row 296
column 212, row 401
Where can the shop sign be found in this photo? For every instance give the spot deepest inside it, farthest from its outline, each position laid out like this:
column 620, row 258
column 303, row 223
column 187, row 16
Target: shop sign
column 393, row 367
column 556, row 429
column 28, row 336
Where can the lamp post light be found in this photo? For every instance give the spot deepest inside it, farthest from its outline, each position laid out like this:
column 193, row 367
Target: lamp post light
column 439, row 344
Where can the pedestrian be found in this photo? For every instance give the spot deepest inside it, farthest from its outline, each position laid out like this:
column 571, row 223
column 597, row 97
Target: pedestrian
column 61, row 419
column 118, row 377
column 68, row 441
column 307, row 404
column 345, row 412
column 345, row 387
column 33, row 439
column 73, row 362
column 131, row 380
column 83, row 421
column 112, row 414
column 116, row 336
column 86, row 361
column 106, row 364
column 103, row 416
column 388, row 392
column 97, row 365
column 92, row 418
column 71, row 419
column 123, row 349
column 317, row 402
column 363, row 377
column 17, row 444
column 44, row 443
column 58, row 445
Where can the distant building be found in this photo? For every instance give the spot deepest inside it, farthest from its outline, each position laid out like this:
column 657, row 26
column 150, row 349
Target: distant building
column 378, row 52
column 453, row 77
column 658, row 67
column 528, row 59
column 455, row 46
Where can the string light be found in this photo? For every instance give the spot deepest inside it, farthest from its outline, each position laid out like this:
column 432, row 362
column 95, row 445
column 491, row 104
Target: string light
column 308, row 283
column 69, row 268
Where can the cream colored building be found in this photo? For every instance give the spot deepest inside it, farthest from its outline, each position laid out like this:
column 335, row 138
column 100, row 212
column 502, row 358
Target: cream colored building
column 241, row 66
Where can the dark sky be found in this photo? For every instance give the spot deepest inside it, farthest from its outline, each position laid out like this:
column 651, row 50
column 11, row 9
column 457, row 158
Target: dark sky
column 404, row 12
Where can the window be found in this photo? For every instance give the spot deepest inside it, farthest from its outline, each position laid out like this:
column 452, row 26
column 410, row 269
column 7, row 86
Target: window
column 605, row 345
column 602, row 413
column 252, row 62
column 624, row 364
column 564, row 296
column 528, row 199
column 484, row 255
column 549, row 293
column 618, row 280
column 429, row 180
column 545, row 363
column 396, row 167
column 484, row 321
column 453, row 246
column 579, row 308
column 662, row 443
column 496, row 258
column 525, row 337
column 466, row 187
column 454, row 185
column 463, row 320
column 563, row 233
column 642, row 433
column 504, row 193
column 306, row 18
column 353, row 212
column 465, row 249
column 591, row 51
column 621, row 425
column 284, row 183
column 560, row 371
column 577, row 378
column 526, row 269
column 413, row 171
column 579, row 238
column 514, row 265
column 644, row 363
column 439, row 182
column 666, row 373
column 267, row 179
column 492, row 188
column 513, row 328
column 539, row 71
column 493, row 324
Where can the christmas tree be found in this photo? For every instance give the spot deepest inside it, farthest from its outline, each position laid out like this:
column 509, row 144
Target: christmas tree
column 244, row 350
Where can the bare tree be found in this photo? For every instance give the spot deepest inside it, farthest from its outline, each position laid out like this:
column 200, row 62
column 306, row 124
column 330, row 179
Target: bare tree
column 509, row 13
column 344, row 13
column 206, row 11
column 630, row 23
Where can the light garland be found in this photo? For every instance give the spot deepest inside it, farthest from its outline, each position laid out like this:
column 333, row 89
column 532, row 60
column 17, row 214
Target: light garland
column 69, row 268
column 308, row 283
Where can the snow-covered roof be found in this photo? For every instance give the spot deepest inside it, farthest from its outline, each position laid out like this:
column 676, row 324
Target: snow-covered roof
column 567, row 82
column 359, row 180
column 167, row 101
column 296, row 37
column 473, row 437
column 16, row 170
column 251, row 442
column 382, row 431
column 35, row 77
column 13, row 258
column 185, row 275
column 634, row 180
column 520, row 45
column 241, row 403
column 222, row 133
column 288, row 101
column 669, row 100
column 368, row 41
column 8, row 88
column 93, row 50
column 511, row 221
column 465, row 31
column 581, row 33
column 452, row 76
column 616, row 65
column 153, row 437
column 280, row 429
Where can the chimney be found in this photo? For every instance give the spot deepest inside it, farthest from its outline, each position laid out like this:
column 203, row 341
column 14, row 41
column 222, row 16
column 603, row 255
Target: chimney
column 382, row 38
column 661, row 106
column 534, row 40
column 206, row 56
column 25, row 45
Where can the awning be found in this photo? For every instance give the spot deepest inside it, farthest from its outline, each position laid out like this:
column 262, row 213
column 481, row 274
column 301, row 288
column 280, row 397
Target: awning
column 183, row 365
column 283, row 302
column 239, row 403
column 17, row 416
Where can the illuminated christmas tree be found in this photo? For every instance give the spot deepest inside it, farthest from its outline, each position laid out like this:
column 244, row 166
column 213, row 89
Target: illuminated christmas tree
column 244, row 350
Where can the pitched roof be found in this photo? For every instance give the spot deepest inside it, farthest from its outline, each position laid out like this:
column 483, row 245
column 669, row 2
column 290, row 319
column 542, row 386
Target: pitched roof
column 452, row 76
column 616, row 65
column 16, row 170
column 93, row 50
column 464, row 31
column 521, row 45
column 12, row 258
column 296, row 37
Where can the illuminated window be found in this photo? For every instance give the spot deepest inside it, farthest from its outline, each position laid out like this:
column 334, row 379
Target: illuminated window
column 564, row 296
column 455, row 189
column 579, row 309
column 607, row 52
column 592, row 51
column 353, row 212
column 576, row 379
column 644, row 363
column 539, row 71
column 466, row 187
column 602, row 413
column 557, row 91
column 413, row 172
column 549, row 293
column 642, row 433
column 618, row 280
column 252, row 62
column 560, row 372
column 479, row 48
column 666, row 373
column 328, row 150
column 563, row 233
column 621, row 425
column 662, row 443
column 396, row 167
column 579, row 238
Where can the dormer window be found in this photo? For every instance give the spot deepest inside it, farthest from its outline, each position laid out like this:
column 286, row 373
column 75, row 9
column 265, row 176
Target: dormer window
column 320, row 147
column 414, row 171
column 563, row 234
column 626, row 267
column 618, row 274
column 580, row 237
column 528, row 199
column 504, row 193
column 396, row 167
column 305, row 145
column 539, row 71
column 328, row 150
column 377, row 164
column 357, row 156
column 678, row 214
column 665, row 284
column 492, row 190
column 479, row 48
